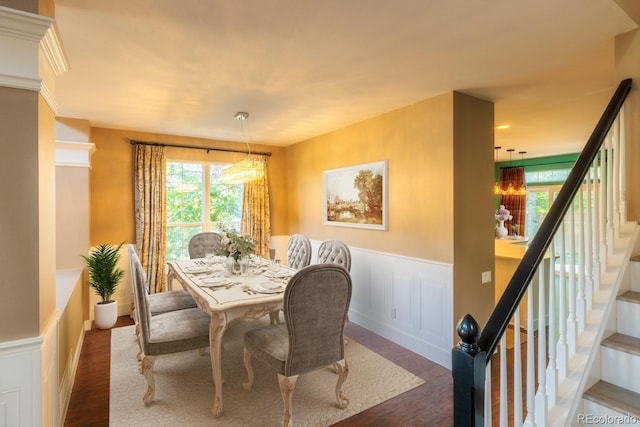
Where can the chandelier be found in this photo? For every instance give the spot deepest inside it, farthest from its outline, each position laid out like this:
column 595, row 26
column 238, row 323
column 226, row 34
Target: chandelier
column 505, row 185
column 249, row 169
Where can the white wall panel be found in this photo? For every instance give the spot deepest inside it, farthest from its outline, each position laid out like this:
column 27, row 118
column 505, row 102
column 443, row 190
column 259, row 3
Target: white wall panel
column 20, row 368
column 406, row 300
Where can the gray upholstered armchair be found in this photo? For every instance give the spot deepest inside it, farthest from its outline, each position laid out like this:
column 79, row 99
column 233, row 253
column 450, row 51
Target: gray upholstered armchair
column 204, row 242
column 165, row 333
column 334, row 252
column 298, row 251
column 315, row 307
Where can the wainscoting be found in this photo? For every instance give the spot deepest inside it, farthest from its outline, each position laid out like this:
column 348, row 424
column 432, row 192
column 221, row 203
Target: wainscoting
column 29, row 380
column 406, row 300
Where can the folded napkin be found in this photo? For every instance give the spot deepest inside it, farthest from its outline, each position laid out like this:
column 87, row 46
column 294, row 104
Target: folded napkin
column 197, row 269
column 215, row 281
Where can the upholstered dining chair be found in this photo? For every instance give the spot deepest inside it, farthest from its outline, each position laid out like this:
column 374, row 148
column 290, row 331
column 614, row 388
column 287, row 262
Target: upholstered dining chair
column 298, row 251
column 165, row 333
column 315, row 305
column 201, row 243
column 161, row 302
column 334, row 252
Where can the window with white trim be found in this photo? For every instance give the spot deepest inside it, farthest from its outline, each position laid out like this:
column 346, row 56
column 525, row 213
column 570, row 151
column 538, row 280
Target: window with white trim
column 198, row 201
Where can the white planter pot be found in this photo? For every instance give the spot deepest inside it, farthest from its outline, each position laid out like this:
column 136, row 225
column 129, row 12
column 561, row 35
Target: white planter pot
column 106, row 314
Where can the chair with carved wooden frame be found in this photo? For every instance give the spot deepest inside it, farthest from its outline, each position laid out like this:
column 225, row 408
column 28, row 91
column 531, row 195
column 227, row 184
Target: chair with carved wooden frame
column 315, row 305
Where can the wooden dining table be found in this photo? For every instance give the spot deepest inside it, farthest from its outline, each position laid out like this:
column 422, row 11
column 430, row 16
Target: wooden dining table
column 227, row 296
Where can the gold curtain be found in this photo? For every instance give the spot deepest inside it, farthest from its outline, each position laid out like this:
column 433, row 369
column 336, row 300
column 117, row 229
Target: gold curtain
column 151, row 219
column 256, row 219
column 515, row 203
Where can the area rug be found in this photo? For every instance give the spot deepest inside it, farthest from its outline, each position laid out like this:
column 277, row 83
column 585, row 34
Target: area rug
column 184, row 386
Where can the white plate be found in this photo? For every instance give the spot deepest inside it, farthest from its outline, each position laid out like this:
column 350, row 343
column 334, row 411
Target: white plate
column 269, row 288
column 277, row 274
column 212, row 282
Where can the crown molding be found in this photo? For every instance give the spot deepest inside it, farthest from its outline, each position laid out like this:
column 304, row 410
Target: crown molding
column 48, row 97
column 74, row 153
column 53, row 51
column 23, row 25
column 20, row 36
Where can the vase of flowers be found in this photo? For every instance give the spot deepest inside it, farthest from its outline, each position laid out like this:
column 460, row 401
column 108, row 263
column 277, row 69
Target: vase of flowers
column 502, row 215
column 234, row 246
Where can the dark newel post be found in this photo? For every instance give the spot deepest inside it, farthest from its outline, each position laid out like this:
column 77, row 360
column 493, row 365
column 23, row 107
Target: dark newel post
column 468, row 370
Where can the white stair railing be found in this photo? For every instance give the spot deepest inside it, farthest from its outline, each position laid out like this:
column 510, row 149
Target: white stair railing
column 560, row 300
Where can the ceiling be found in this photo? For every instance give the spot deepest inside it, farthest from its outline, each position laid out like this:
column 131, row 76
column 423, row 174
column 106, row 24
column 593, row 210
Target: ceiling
column 305, row 68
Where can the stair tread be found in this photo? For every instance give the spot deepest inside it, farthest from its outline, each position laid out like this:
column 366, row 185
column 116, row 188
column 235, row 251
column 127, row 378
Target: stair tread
column 622, row 342
column 614, row 397
column 630, row 296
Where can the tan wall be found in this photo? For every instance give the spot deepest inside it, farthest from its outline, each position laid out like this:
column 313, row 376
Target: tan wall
column 473, row 208
column 417, row 143
column 111, row 179
column 19, row 281
column 30, row 6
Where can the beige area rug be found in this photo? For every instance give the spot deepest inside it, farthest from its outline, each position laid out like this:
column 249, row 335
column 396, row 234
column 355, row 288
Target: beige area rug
column 184, row 387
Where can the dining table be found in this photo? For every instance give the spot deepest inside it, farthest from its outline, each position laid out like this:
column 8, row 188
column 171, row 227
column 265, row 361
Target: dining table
column 227, row 295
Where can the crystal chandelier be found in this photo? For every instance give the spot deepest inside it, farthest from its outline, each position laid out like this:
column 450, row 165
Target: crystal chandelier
column 245, row 170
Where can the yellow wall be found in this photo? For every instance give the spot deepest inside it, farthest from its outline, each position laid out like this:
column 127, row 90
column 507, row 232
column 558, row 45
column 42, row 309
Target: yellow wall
column 46, row 213
column 628, row 66
column 417, row 143
column 440, row 156
column 111, row 179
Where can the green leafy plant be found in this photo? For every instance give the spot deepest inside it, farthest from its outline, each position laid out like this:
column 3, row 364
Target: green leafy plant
column 104, row 275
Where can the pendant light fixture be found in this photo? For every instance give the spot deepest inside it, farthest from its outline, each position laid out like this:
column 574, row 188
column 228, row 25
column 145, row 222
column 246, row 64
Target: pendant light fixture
column 523, row 187
column 506, row 188
column 246, row 170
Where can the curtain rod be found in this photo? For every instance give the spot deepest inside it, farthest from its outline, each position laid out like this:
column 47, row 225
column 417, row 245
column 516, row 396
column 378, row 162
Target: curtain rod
column 195, row 147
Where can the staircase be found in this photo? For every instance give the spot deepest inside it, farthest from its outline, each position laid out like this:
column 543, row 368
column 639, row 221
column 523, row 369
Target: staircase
column 615, row 398
column 583, row 340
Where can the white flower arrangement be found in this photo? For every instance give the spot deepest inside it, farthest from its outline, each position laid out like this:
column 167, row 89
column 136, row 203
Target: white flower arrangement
column 503, row 214
column 235, row 245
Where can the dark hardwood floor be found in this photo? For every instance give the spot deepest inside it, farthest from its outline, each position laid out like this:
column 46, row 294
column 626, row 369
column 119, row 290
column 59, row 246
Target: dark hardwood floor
column 430, row 404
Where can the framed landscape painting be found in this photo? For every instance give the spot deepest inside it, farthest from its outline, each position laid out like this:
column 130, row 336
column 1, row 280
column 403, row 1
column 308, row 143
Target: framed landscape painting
column 356, row 196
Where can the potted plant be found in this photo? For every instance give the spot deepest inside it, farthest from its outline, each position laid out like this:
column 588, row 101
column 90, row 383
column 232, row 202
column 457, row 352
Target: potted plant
column 104, row 277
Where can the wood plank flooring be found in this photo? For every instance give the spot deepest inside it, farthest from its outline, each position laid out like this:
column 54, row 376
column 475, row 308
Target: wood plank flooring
column 426, row 405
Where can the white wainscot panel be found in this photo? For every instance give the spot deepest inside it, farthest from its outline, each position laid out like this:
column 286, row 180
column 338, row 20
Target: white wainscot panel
column 406, row 300
column 20, row 382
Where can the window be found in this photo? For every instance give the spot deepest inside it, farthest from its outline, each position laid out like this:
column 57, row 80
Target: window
column 538, row 201
column 198, row 201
